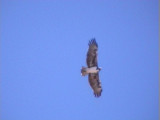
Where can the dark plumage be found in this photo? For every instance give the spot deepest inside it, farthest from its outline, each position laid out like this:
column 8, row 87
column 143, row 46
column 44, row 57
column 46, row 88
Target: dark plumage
column 91, row 60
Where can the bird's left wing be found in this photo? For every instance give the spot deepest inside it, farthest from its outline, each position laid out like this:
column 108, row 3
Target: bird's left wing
column 95, row 84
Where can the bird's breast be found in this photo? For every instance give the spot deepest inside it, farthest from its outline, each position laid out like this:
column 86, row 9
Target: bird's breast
column 92, row 70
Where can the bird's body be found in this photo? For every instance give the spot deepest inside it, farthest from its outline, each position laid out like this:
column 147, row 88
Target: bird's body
column 93, row 70
column 86, row 71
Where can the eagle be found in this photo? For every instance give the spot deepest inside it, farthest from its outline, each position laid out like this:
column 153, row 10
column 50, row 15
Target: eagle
column 93, row 70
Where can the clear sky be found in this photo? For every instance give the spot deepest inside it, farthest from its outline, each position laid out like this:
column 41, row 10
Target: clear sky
column 44, row 45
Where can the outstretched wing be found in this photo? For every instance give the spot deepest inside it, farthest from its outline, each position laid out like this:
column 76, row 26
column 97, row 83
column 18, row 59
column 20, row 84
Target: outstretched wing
column 92, row 62
column 95, row 83
column 92, row 53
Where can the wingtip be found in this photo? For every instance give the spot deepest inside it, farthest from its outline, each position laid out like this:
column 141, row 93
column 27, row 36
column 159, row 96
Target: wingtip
column 98, row 94
column 93, row 41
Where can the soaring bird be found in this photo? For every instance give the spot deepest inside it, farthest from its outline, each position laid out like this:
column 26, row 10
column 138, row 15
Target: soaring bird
column 93, row 70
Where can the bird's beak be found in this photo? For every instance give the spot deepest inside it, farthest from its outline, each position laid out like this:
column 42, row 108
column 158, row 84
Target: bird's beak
column 100, row 68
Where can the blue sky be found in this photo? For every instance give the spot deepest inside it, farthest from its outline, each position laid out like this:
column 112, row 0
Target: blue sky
column 44, row 45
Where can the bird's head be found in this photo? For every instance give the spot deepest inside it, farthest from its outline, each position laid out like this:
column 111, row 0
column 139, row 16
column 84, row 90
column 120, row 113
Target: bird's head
column 99, row 68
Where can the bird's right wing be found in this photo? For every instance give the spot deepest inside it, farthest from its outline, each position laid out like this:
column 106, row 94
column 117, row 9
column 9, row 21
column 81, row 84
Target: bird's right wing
column 92, row 53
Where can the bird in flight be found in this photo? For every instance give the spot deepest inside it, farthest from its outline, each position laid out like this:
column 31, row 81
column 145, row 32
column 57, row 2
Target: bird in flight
column 92, row 69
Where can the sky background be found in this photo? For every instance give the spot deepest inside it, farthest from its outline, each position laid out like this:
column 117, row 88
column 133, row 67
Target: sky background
column 44, row 45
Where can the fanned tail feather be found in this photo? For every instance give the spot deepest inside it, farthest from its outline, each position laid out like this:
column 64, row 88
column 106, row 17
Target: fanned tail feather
column 83, row 71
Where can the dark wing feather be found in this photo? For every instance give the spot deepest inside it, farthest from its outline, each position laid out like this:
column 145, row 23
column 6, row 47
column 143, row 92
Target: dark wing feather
column 95, row 84
column 92, row 53
column 91, row 62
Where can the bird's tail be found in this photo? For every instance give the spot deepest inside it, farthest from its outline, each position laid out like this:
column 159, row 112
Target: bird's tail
column 84, row 71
